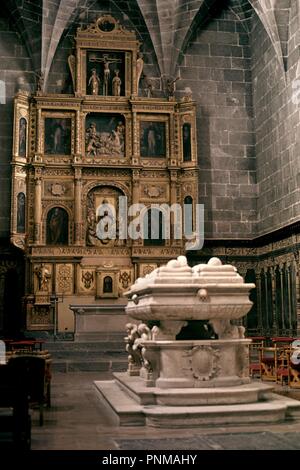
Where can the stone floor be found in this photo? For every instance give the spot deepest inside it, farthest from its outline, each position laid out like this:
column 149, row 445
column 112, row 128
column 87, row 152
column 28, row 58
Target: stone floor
column 79, row 420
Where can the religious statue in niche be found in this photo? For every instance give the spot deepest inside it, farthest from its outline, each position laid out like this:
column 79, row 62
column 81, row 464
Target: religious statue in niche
column 58, row 136
column 107, row 285
column 153, row 139
column 186, row 142
column 105, row 135
column 139, row 69
column 22, row 137
column 57, row 227
column 72, row 67
column 43, row 275
column 116, row 84
column 102, row 224
column 21, row 213
column 106, row 73
column 91, row 235
column 94, row 83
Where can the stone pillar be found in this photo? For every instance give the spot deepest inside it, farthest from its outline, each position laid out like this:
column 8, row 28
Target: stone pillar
column 37, row 209
column 78, row 134
column 275, row 323
column 77, row 208
column 173, row 199
column 258, row 297
column 282, row 296
column 135, row 186
column 134, row 139
column 39, row 132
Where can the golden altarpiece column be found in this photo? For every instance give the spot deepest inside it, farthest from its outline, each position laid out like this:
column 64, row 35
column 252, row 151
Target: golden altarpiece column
column 74, row 154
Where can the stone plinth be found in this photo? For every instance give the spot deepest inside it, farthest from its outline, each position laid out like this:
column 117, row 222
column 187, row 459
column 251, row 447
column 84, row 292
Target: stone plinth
column 92, row 321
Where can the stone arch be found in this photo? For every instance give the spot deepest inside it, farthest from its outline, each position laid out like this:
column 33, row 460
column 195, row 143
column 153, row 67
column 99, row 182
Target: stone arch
column 94, row 184
column 188, row 215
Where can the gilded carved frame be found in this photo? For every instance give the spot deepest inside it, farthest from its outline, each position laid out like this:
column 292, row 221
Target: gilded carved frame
column 153, row 118
column 118, row 39
column 57, row 115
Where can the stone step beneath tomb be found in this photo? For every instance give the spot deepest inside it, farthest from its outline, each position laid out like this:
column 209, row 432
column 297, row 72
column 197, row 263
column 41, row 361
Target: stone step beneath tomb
column 271, row 409
column 134, row 387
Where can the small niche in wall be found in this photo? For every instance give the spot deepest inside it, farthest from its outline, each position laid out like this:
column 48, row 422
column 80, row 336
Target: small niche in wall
column 21, row 200
column 57, row 227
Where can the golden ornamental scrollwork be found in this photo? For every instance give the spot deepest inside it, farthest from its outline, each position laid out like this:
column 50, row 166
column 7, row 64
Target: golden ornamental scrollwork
column 105, row 26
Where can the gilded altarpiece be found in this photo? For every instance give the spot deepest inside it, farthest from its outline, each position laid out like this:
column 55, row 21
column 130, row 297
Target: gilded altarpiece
column 80, row 161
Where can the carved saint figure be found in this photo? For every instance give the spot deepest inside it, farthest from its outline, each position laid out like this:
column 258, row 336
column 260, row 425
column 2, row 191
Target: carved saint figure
column 139, row 70
column 94, row 82
column 120, row 130
column 91, row 228
column 39, row 81
column 106, row 75
column 171, row 86
column 116, row 84
column 72, row 67
column 149, row 87
column 43, row 275
column 92, row 139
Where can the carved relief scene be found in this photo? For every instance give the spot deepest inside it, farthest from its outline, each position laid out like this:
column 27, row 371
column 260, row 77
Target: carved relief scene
column 105, row 135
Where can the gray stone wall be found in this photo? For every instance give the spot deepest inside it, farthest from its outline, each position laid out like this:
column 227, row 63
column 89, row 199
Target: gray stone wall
column 217, row 68
column 14, row 63
column 276, row 126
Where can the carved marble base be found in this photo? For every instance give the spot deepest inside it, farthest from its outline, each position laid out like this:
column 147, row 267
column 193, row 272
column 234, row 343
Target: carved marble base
column 197, row 364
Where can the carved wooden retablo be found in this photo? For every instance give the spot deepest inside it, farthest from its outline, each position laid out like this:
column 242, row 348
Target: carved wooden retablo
column 73, row 154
